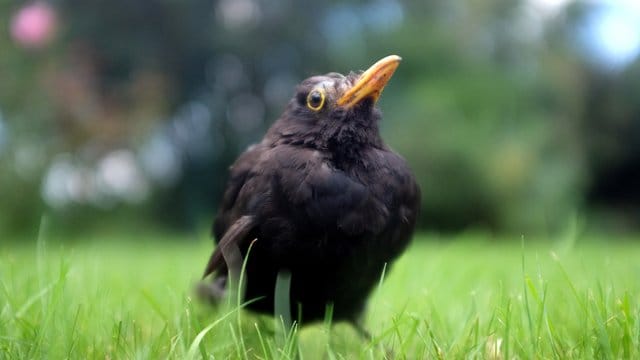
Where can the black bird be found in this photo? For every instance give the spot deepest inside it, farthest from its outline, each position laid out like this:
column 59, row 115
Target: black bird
column 321, row 199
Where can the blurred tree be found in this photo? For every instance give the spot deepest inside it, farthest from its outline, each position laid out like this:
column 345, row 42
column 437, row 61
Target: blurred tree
column 488, row 148
column 140, row 107
column 612, row 138
column 601, row 102
column 24, row 141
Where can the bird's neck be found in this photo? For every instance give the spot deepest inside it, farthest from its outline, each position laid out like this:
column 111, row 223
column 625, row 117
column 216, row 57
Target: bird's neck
column 348, row 146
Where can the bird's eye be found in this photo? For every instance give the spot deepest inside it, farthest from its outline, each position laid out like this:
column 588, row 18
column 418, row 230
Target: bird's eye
column 315, row 100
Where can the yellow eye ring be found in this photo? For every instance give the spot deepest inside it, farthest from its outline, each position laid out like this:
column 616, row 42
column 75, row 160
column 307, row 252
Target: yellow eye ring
column 315, row 100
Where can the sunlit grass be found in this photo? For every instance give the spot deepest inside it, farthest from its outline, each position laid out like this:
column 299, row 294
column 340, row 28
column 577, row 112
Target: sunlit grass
column 465, row 296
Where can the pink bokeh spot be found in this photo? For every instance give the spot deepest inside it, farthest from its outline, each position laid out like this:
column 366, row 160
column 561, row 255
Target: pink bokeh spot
column 34, row 25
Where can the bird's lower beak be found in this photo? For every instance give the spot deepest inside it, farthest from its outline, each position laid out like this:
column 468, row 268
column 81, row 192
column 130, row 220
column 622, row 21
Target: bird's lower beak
column 371, row 83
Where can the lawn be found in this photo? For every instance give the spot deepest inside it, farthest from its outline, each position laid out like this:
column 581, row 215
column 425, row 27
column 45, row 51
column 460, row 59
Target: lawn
column 465, row 296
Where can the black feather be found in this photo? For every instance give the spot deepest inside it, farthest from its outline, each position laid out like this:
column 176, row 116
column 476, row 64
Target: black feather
column 327, row 200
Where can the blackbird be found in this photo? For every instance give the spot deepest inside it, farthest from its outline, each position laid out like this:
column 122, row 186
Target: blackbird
column 321, row 199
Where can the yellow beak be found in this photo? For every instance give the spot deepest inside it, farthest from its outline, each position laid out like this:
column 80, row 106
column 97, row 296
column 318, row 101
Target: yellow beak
column 371, row 82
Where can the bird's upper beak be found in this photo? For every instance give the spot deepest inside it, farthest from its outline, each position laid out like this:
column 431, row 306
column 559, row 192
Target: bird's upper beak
column 371, row 83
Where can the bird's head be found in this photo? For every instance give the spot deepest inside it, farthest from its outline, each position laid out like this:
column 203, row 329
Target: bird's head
column 336, row 112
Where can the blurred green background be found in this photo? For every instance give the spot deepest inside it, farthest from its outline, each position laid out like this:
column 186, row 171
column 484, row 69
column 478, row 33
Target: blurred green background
column 517, row 116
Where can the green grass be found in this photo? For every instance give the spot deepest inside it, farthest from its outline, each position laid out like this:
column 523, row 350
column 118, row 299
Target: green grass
column 460, row 297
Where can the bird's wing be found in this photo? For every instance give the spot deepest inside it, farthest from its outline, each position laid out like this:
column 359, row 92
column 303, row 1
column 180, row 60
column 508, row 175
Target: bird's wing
column 331, row 197
column 226, row 253
column 398, row 182
column 232, row 226
column 308, row 182
column 399, row 191
column 239, row 172
column 268, row 180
